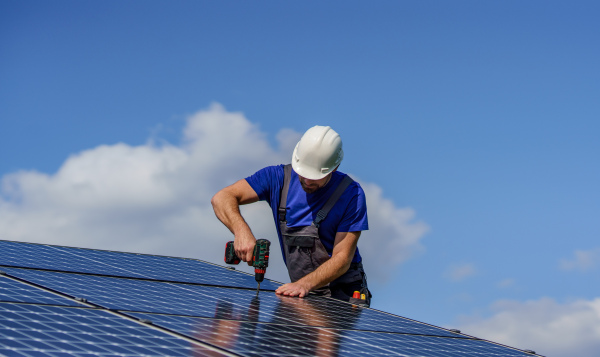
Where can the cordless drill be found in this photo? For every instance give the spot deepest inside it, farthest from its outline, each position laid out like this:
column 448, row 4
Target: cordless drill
column 260, row 259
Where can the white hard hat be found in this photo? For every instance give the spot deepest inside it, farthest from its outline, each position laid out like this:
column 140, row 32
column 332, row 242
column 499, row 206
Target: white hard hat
column 318, row 153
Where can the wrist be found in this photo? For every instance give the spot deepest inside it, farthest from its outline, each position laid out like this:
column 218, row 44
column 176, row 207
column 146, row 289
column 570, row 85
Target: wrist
column 306, row 284
column 241, row 229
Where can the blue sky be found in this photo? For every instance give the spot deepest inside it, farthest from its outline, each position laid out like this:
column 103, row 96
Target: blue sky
column 480, row 118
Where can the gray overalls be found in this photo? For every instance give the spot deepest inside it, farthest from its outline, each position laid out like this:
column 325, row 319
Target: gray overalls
column 304, row 252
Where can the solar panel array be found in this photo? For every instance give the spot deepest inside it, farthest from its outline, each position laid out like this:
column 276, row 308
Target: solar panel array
column 61, row 301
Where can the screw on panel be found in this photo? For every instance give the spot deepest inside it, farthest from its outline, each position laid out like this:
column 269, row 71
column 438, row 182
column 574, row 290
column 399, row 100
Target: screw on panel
column 144, row 321
column 230, row 268
column 454, row 330
column 529, row 351
column 81, row 299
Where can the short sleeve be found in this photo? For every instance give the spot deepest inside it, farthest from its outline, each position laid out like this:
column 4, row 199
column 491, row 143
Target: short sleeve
column 355, row 217
column 264, row 180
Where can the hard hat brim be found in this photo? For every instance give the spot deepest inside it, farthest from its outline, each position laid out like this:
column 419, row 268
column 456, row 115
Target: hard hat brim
column 307, row 171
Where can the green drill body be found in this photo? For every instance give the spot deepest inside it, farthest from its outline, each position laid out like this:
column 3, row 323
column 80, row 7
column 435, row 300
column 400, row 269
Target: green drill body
column 260, row 258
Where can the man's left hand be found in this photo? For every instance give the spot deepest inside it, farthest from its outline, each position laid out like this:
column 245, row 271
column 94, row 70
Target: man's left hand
column 292, row 289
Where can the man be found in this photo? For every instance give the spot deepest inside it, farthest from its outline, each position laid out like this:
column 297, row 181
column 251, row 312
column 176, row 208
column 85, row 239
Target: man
column 319, row 213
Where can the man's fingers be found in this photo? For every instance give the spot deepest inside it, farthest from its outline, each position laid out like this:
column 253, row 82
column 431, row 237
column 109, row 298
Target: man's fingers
column 291, row 290
column 286, row 293
column 241, row 254
column 244, row 247
column 281, row 290
column 244, row 252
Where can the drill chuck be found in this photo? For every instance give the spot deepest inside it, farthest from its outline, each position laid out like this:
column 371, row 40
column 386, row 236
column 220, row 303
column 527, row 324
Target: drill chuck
column 259, row 275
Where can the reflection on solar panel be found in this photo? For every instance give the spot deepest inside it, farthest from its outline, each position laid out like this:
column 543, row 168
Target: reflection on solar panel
column 58, row 300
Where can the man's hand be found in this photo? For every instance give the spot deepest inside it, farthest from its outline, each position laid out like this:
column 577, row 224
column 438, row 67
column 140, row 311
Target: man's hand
column 244, row 246
column 293, row 289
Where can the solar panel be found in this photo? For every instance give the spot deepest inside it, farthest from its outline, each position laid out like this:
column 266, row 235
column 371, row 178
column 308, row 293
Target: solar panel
column 34, row 330
column 132, row 265
column 139, row 304
column 11, row 290
column 205, row 301
column 261, row 339
column 414, row 345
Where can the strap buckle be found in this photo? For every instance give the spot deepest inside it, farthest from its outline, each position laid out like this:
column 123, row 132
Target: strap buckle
column 320, row 217
column 282, row 213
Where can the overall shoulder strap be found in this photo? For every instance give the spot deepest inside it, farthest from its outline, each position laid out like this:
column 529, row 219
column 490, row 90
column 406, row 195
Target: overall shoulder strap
column 287, row 174
column 346, row 181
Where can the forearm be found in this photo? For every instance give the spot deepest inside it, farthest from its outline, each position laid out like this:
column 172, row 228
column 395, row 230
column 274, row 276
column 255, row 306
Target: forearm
column 226, row 204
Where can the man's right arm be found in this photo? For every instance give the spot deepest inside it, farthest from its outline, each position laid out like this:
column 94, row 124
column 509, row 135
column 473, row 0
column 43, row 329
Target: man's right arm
column 226, row 204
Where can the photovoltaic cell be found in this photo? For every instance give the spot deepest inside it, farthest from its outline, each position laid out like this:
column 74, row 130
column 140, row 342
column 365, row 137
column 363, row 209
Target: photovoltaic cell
column 11, row 290
column 223, row 303
column 133, row 265
column 34, row 330
column 260, row 339
column 179, row 294
column 413, row 345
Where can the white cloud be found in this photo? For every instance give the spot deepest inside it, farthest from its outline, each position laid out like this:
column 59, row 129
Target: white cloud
column 459, row 272
column 544, row 325
column 393, row 235
column 156, row 198
column 583, row 260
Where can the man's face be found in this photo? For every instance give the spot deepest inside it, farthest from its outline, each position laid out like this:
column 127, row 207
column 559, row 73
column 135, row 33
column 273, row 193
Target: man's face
column 311, row 186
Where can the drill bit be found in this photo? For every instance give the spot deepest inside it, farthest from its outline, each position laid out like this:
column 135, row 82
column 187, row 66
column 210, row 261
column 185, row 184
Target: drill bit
column 257, row 289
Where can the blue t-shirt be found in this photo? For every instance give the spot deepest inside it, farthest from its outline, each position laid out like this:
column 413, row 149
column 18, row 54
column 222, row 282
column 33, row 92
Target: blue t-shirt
column 349, row 214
